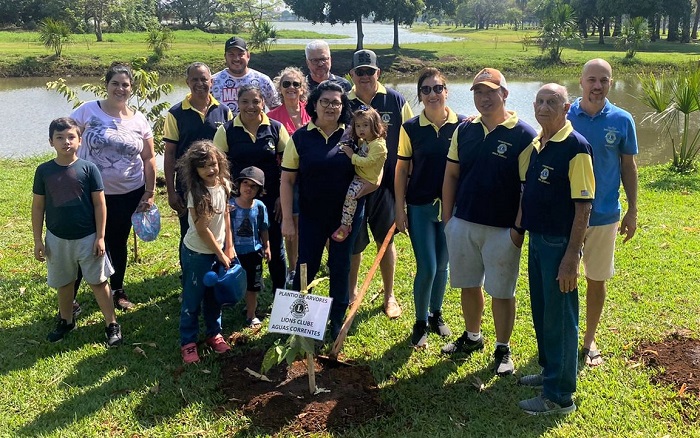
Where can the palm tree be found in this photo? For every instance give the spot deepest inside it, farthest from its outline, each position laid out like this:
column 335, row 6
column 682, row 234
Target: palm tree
column 635, row 33
column 54, row 34
column 674, row 102
column 558, row 27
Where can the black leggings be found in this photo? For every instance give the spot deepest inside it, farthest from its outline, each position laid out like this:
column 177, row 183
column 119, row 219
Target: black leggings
column 119, row 211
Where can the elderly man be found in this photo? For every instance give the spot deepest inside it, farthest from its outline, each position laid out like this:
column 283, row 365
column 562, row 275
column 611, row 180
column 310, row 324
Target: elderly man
column 318, row 60
column 481, row 201
column 237, row 74
column 379, row 206
column 611, row 132
column 195, row 118
column 556, row 205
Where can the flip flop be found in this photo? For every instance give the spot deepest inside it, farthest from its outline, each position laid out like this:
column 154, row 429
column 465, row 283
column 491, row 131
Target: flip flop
column 592, row 358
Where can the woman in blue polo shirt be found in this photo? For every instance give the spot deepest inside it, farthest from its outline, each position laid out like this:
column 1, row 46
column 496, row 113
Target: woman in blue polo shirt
column 313, row 159
column 423, row 144
column 253, row 139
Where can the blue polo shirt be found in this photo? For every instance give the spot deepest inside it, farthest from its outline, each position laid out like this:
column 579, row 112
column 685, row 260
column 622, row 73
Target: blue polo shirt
column 611, row 133
column 262, row 149
column 488, row 187
column 558, row 174
column 425, row 145
column 394, row 111
column 324, row 171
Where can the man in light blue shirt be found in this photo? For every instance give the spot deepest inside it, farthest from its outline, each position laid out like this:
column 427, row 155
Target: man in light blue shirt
column 611, row 132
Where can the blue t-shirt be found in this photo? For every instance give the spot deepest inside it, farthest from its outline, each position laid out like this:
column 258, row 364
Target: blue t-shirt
column 611, row 133
column 246, row 226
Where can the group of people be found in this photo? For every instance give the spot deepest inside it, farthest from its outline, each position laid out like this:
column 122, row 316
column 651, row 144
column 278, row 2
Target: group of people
column 330, row 159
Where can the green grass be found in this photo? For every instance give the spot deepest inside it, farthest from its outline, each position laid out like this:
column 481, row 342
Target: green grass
column 23, row 55
column 78, row 388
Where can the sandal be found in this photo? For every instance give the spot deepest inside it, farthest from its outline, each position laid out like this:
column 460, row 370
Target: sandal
column 592, row 358
column 341, row 233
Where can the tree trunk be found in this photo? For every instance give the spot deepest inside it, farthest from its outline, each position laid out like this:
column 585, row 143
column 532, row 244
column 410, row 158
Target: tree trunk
column 98, row 30
column 360, row 35
column 607, row 26
column 617, row 30
column 601, row 32
column 396, row 47
column 685, row 27
column 694, row 34
column 673, row 21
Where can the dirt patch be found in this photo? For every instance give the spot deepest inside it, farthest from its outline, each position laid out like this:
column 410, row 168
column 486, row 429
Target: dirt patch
column 678, row 359
column 285, row 402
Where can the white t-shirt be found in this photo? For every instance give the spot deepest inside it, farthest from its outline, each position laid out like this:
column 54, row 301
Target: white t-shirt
column 114, row 145
column 217, row 225
column 225, row 88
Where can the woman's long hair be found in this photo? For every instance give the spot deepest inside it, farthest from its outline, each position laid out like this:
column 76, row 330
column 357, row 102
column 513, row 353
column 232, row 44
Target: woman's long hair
column 198, row 155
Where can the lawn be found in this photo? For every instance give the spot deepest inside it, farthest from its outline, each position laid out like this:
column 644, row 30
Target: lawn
column 79, row 388
column 23, row 55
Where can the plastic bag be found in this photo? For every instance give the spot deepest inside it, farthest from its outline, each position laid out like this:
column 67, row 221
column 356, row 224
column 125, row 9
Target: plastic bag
column 146, row 223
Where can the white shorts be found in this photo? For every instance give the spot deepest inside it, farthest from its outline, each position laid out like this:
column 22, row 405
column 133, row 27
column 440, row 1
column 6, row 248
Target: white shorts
column 482, row 256
column 63, row 257
column 599, row 252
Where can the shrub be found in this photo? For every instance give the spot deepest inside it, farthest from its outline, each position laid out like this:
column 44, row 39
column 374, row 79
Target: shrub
column 54, row 34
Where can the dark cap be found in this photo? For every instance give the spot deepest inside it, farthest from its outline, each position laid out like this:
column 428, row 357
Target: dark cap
column 236, row 42
column 252, row 173
column 364, row 58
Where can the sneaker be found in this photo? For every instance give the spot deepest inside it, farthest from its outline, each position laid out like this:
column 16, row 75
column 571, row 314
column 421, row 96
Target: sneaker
column 419, row 337
column 189, row 353
column 121, row 301
column 531, row 380
column 253, row 323
column 437, row 324
column 114, row 334
column 503, row 364
column 62, row 328
column 463, row 345
column 218, row 344
column 540, row 405
column 76, row 311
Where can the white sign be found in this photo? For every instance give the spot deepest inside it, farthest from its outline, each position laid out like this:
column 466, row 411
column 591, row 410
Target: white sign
column 300, row 314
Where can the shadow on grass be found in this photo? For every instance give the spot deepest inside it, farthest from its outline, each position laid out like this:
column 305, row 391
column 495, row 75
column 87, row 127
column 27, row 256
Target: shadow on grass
column 665, row 179
column 112, row 374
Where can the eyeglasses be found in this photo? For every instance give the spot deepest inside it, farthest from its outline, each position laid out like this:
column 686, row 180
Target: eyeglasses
column 318, row 61
column 365, row 72
column 287, row 84
column 438, row 89
column 330, row 103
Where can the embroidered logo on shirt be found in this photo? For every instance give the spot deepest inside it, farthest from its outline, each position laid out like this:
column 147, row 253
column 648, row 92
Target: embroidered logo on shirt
column 544, row 174
column 386, row 118
column 611, row 136
column 502, row 149
column 585, row 194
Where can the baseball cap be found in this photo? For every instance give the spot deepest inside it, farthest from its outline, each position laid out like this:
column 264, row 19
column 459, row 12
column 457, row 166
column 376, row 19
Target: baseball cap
column 236, row 42
column 364, row 58
column 490, row 77
column 254, row 174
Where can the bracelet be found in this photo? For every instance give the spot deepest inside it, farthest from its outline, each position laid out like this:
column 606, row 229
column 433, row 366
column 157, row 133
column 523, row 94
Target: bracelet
column 519, row 230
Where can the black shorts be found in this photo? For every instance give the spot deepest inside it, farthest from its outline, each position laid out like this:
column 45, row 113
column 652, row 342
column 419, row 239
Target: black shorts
column 379, row 215
column 252, row 264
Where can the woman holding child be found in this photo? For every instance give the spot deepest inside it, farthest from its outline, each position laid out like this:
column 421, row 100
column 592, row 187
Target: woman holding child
column 119, row 140
column 423, row 144
column 253, row 139
column 313, row 158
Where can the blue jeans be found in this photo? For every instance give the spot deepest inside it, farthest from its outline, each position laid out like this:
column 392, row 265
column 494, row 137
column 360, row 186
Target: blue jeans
column 555, row 317
column 314, row 231
column 197, row 298
column 427, row 233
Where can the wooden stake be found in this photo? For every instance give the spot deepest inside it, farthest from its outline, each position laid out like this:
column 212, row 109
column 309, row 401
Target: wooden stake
column 310, row 368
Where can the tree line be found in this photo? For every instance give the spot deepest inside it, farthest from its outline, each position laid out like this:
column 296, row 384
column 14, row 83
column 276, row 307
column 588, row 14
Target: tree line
column 677, row 20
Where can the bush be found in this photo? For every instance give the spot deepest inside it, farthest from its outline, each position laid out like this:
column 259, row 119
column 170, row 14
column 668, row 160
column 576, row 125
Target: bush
column 159, row 39
column 54, row 34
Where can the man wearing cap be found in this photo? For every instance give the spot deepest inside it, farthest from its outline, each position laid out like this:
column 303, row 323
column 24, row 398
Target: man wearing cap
column 318, row 60
column 481, row 200
column 556, row 205
column 379, row 206
column 236, row 74
column 611, row 132
column 197, row 117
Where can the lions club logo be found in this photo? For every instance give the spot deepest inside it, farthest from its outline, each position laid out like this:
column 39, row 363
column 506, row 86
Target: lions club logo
column 299, row 308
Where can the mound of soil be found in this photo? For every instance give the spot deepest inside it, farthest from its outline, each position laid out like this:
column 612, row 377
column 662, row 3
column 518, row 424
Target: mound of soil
column 285, row 402
column 678, row 358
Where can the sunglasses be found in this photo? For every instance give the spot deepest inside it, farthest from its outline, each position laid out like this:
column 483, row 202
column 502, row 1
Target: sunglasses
column 287, row 84
column 438, row 89
column 365, row 72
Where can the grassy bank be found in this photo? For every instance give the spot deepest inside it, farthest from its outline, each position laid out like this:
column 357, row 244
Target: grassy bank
column 78, row 388
column 23, row 55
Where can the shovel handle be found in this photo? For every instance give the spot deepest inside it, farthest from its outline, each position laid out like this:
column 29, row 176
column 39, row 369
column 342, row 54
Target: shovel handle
column 338, row 344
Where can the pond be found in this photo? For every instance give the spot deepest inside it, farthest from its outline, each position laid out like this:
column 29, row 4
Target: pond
column 375, row 33
column 24, row 130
